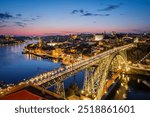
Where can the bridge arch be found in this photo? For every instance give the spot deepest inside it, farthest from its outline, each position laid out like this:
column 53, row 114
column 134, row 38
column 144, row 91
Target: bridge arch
column 116, row 59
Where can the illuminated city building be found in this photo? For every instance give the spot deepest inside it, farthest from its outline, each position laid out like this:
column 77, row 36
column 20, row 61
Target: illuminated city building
column 57, row 52
column 98, row 37
column 74, row 36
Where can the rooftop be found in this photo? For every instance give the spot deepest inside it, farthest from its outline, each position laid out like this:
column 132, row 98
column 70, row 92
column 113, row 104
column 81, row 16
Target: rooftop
column 30, row 92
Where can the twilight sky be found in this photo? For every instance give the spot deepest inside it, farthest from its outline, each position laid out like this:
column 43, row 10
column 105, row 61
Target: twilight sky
column 49, row 17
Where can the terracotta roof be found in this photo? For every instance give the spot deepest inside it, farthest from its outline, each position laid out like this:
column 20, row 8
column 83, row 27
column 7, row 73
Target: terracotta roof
column 21, row 95
column 30, row 92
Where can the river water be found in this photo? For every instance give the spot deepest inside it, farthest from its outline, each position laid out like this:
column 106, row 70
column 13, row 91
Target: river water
column 15, row 67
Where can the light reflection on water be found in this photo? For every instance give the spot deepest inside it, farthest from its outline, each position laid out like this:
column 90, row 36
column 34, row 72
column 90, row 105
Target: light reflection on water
column 131, row 87
column 32, row 57
column 15, row 66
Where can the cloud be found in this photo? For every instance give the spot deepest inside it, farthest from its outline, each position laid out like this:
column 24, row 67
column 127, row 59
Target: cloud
column 3, row 21
column 26, row 20
column 4, row 16
column 87, row 13
column 34, row 18
column 104, row 14
column 18, row 15
column 79, row 11
column 8, row 20
column 74, row 11
column 2, row 26
column 82, row 11
column 110, row 8
column 31, row 19
column 21, row 24
column 91, row 14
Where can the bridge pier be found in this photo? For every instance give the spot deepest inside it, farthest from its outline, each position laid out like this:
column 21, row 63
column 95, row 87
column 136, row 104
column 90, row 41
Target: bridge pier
column 59, row 89
column 88, row 81
column 93, row 77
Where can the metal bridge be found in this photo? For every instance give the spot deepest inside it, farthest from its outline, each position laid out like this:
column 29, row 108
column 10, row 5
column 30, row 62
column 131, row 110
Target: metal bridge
column 96, row 67
column 140, row 68
column 99, row 70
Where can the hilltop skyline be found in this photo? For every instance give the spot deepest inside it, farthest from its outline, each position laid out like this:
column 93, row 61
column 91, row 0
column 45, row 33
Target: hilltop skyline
column 49, row 17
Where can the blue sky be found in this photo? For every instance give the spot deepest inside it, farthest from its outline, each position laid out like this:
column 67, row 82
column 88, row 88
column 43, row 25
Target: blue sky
column 44, row 17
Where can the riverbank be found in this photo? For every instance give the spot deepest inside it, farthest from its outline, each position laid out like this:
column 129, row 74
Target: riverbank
column 44, row 56
column 12, row 44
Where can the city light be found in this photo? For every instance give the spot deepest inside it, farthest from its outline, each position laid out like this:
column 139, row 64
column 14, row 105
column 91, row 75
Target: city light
column 74, row 50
